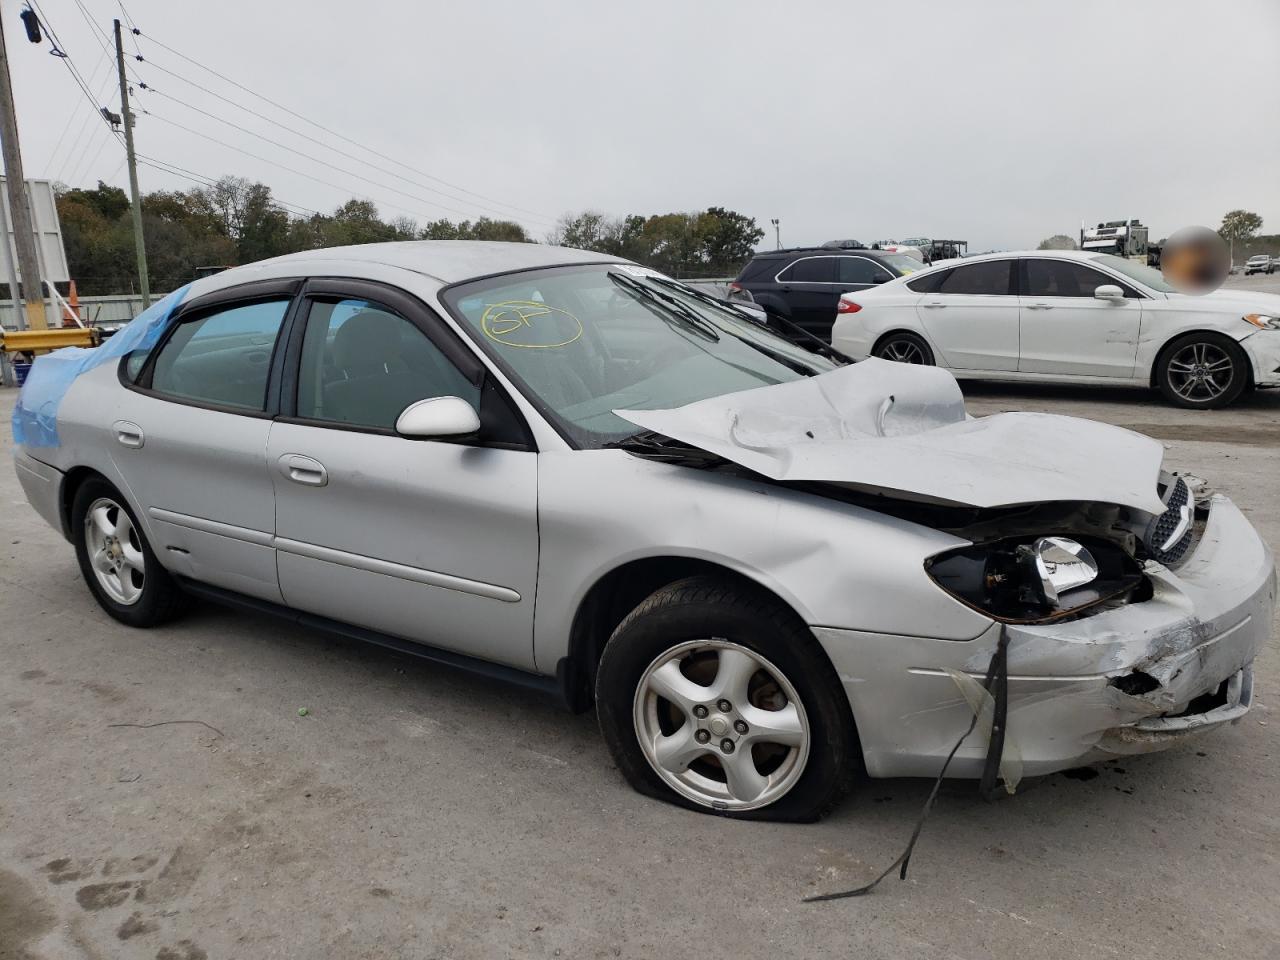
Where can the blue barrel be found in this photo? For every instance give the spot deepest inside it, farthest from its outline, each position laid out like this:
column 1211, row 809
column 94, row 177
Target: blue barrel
column 20, row 371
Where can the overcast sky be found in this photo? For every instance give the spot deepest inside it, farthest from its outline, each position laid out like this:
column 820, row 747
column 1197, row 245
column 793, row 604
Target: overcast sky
column 996, row 122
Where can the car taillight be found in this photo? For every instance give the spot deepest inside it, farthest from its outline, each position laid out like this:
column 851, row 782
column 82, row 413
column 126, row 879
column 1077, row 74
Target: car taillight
column 848, row 306
column 735, row 287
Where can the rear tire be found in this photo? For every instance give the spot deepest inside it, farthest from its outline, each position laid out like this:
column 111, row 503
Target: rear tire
column 1202, row 371
column 769, row 736
column 116, row 561
column 902, row 346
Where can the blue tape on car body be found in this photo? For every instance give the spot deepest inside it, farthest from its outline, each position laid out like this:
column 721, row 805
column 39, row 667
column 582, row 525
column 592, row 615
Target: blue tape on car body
column 35, row 418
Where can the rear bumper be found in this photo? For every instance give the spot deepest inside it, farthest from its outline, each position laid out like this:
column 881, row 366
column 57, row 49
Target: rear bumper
column 1133, row 679
column 43, row 486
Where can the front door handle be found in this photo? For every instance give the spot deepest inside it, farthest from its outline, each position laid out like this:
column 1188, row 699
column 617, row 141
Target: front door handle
column 128, row 434
column 933, row 304
column 1039, row 306
column 303, row 470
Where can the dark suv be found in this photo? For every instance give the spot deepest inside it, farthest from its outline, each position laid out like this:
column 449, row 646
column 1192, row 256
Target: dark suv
column 805, row 283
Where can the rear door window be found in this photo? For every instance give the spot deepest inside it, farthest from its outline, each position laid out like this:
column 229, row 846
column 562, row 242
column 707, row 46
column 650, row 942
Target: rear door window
column 222, row 358
column 988, row 278
column 862, row 270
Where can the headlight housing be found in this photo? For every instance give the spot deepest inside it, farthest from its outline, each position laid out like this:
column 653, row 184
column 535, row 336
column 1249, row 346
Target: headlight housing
column 1036, row 579
column 1264, row 320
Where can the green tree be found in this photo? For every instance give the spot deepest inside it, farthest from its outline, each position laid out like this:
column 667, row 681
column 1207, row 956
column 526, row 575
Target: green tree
column 1059, row 241
column 1239, row 226
column 729, row 238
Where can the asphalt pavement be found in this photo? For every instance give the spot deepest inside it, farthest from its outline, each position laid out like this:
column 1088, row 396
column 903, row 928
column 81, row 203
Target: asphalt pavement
column 417, row 811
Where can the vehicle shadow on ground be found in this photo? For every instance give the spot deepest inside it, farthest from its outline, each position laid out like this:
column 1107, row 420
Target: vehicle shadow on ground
column 886, row 808
column 1267, row 400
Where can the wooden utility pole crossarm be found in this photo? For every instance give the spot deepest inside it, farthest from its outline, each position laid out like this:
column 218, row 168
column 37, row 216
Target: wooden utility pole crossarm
column 23, row 234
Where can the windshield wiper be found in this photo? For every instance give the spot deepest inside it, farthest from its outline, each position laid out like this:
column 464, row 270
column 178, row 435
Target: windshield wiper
column 670, row 305
column 789, row 331
column 648, row 445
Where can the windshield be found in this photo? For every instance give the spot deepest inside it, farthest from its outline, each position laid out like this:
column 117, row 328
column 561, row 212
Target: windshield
column 585, row 341
column 1137, row 271
column 904, row 263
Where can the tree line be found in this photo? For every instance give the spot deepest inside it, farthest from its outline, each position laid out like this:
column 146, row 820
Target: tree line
column 236, row 221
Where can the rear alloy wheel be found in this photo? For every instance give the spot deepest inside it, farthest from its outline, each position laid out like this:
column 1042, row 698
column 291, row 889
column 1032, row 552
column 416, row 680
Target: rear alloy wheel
column 903, row 347
column 117, row 562
column 719, row 699
column 1203, row 371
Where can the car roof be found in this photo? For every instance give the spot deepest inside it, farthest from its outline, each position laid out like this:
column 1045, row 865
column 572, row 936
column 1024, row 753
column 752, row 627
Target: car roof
column 1024, row 254
column 828, row 251
column 448, row 261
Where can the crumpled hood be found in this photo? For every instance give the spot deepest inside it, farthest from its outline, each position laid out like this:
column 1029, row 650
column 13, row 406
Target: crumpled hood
column 902, row 430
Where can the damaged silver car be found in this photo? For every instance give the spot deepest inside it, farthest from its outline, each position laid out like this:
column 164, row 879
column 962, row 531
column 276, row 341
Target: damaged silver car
column 770, row 571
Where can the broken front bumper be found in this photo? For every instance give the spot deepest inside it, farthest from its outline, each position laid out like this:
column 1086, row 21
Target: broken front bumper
column 1263, row 349
column 1131, row 679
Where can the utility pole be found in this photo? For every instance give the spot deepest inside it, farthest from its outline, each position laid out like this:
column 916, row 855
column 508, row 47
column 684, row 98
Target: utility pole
column 127, row 118
column 777, row 233
column 23, row 234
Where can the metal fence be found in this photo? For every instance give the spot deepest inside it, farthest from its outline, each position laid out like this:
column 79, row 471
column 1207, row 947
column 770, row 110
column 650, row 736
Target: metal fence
column 112, row 309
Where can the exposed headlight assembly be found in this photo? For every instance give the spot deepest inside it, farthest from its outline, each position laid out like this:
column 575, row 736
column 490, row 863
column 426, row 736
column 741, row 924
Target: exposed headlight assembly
column 1023, row 580
column 1263, row 320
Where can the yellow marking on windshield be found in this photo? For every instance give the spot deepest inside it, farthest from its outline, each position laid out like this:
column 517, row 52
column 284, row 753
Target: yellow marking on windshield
column 529, row 324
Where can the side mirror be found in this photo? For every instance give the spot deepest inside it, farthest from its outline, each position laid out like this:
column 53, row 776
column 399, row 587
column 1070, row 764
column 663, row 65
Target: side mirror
column 438, row 417
column 1108, row 291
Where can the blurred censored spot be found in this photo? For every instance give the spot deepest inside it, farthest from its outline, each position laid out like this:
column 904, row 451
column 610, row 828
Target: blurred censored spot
column 1195, row 260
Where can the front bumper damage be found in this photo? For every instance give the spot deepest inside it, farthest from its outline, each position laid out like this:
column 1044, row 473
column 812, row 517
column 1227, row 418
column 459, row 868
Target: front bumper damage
column 1131, row 679
column 1263, row 349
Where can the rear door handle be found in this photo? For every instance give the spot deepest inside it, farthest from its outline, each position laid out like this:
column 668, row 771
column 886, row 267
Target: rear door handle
column 1039, row 306
column 933, row 304
column 128, row 434
column 303, row 470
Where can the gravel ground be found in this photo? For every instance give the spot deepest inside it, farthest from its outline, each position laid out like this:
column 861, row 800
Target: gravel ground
column 421, row 812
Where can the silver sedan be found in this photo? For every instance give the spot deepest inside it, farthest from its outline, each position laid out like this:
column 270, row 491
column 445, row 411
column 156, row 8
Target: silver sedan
column 770, row 571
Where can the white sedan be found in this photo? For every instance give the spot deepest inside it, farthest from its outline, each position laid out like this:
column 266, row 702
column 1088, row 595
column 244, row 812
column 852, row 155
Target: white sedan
column 1074, row 317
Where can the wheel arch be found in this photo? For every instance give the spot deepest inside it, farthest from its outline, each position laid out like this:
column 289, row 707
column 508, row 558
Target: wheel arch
column 71, row 482
column 918, row 334
column 615, row 594
column 1153, row 375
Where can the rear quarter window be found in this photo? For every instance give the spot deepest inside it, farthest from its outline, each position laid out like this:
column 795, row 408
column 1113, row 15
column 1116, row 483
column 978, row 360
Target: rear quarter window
column 929, row 283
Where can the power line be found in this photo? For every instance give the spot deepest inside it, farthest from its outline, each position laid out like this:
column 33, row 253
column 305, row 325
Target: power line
column 75, row 112
column 276, row 163
column 307, row 156
column 315, row 140
column 65, row 57
column 334, row 133
column 298, row 209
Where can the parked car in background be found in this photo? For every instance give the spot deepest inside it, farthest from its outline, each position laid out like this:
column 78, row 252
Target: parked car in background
column 1068, row 316
column 1261, row 263
column 769, row 571
column 804, row 284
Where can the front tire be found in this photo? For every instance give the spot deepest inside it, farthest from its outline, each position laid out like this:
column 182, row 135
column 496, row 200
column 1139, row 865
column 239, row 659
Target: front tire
column 903, row 346
column 1202, row 371
column 720, row 700
column 116, row 561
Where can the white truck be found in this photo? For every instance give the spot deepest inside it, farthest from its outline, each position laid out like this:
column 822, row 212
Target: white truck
column 1124, row 238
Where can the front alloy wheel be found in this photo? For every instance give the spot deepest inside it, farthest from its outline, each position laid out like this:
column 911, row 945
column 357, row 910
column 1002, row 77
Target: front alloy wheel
column 1203, row 371
column 721, row 725
column 712, row 694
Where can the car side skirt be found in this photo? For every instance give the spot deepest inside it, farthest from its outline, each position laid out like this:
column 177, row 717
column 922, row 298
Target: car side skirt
column 497, row 671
